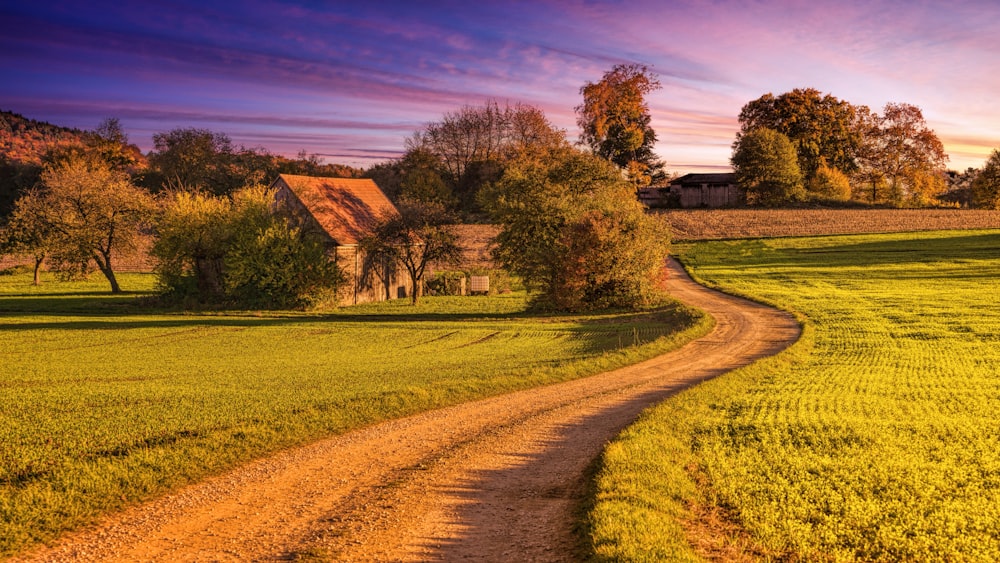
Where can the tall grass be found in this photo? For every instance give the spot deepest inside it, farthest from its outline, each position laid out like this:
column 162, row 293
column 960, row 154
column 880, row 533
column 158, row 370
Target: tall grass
column 104, row 402
column 873, row 438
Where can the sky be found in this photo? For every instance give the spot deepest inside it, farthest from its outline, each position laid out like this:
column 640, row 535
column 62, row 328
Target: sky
column 350, row 81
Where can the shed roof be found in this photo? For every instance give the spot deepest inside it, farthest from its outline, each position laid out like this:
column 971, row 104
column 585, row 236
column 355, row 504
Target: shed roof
column 343, row 207
column 699, row 179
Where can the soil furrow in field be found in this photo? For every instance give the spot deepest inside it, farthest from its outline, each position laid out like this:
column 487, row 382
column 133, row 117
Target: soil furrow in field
column 496, row 479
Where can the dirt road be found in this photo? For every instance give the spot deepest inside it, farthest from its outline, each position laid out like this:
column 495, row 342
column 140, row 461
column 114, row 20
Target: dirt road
column 494, row 480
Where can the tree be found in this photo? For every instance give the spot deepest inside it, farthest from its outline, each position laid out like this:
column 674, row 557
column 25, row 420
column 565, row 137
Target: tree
column 829, row 183
column 572, row 228
column 986, row 186
column 200, row 160
column 93, row 213
column 28, row 231
column 417, row 236
column 767, row 167
column 192, row 237
column 473, row 144
column 907, row 155
column 615, row 121
column 823, row 129
column 239, row 249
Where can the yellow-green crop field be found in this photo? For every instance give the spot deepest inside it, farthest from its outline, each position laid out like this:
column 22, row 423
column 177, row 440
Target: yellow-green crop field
column 876, row 437
column 105, row 402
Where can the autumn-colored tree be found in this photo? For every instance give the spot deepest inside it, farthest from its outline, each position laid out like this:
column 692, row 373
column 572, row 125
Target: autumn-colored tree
column 572, row 228
column 415, row 237
column 615, row 121
column 28, row 230
column 986, row 186
column 905, row 154
column 767, row 167
column 93, row 213
column 829, row 183
column 824, row 129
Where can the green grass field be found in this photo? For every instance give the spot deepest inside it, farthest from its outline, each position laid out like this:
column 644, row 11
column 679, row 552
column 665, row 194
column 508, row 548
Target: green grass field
column 105, row 402
column 876, row 437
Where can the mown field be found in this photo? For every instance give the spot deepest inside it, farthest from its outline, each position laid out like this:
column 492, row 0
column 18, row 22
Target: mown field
column 713, row 224
column 104, row 402
column 876, row 437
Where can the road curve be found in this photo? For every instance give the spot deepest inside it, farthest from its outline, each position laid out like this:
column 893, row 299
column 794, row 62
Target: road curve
column 495, row 479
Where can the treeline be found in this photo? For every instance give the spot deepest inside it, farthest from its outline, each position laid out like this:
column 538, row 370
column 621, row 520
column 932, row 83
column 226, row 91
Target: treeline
column 186, row 158
column 803, row 145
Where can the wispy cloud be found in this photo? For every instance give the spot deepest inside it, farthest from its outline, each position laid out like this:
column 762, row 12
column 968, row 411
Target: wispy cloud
column 353, row 80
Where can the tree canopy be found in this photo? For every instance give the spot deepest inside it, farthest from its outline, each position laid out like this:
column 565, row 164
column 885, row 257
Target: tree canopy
column 615, row 121
column 986, row 186
column 471, row 147
column 767, row 167
column 823, row 129
column 91, row 212
column 239, row 249
column 904, row 154
column 419, row 235
column 572, row 228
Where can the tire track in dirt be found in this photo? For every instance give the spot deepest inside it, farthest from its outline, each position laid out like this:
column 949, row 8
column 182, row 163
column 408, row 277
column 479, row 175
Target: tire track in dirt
column 493, row 480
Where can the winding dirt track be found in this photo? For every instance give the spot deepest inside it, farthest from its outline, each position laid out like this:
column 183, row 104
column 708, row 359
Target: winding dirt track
column 499, row 479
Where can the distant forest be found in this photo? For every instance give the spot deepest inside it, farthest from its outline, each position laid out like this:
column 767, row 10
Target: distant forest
column 188, row 158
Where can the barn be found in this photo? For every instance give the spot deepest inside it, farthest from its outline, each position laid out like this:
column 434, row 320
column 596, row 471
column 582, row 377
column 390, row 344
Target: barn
column 695, row 190
column 343, row 210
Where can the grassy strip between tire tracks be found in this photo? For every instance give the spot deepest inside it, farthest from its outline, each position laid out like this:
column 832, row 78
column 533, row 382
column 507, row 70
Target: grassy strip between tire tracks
column 104, row 403
column 875, row 437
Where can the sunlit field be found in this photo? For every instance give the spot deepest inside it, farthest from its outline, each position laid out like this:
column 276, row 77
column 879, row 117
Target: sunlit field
column 876, row 437
column 104, row 402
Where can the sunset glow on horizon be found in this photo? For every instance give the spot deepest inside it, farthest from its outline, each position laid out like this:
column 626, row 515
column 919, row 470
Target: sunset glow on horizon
column 351, row 82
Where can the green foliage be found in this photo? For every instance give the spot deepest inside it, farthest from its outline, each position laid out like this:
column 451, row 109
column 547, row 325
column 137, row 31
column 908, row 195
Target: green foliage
column 986, row 186
column 238, row 249
column 873, row 438
column 571, row 227
column 766, row 166
column 277, row 267
column 104, row 404
column 614, row 119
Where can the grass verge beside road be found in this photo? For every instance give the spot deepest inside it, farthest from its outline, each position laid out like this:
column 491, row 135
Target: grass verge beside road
column 104, row 403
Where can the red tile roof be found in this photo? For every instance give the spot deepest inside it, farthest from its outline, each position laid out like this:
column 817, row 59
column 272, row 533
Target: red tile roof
column 344, row 207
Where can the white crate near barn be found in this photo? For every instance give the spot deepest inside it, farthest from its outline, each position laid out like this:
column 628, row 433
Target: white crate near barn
column 479, row 284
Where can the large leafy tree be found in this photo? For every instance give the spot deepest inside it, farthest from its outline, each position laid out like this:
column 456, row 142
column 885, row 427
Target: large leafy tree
column 767, row 167
column 415, row 237
column 825, row 131
column 572, row 228
column 615, row 121
column 239, row 249
column 92, row 213
column 905, row 156
column 471, row 147
column 201, row 160
column 986, row 186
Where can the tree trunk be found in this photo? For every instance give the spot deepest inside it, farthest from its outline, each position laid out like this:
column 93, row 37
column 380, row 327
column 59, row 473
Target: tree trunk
column 38, row 270
column 105, row 267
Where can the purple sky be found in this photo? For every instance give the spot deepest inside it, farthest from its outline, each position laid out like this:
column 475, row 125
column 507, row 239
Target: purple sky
column 351, row 80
